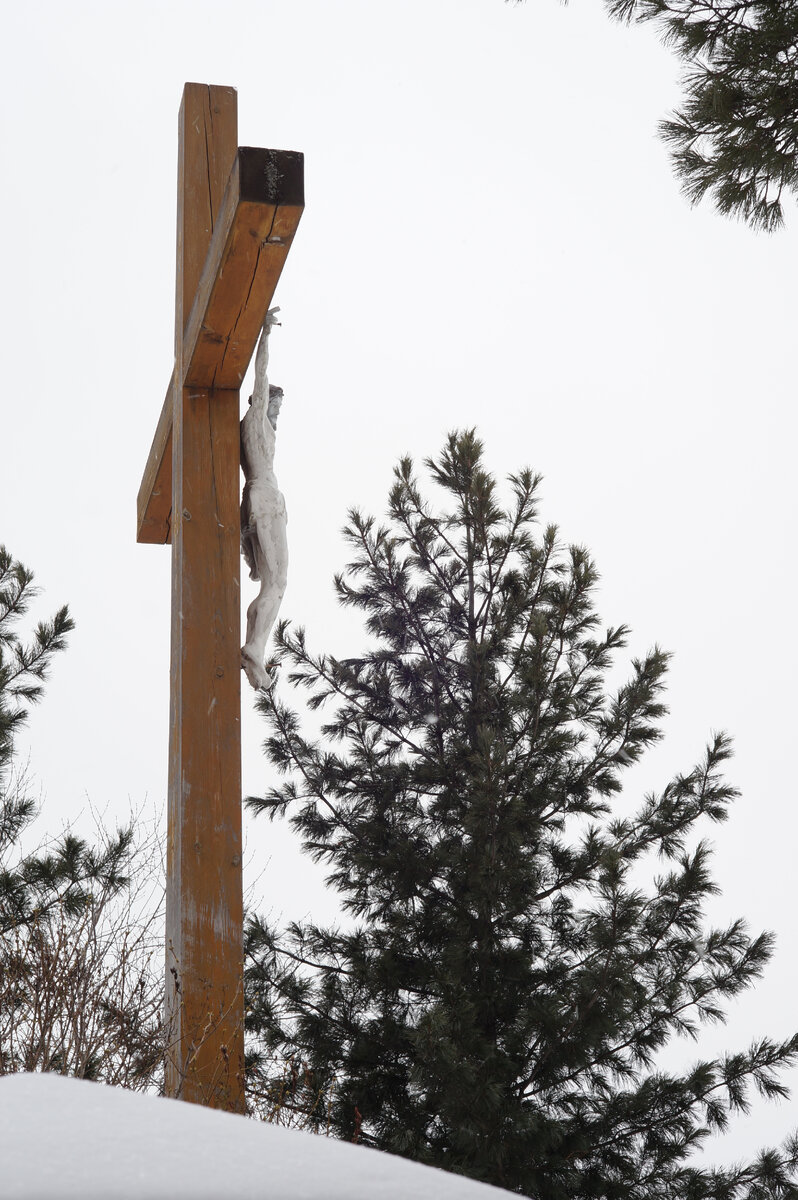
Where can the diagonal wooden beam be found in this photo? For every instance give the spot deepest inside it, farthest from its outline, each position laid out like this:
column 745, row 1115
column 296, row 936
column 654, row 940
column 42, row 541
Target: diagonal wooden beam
column 154, row 505
column 259, row 215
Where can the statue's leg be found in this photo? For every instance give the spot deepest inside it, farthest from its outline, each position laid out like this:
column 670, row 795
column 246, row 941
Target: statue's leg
column 271, row 555
column 248, row 534
column 255, row 669
column 248, row 545
column 262, row 612
column 261, row 616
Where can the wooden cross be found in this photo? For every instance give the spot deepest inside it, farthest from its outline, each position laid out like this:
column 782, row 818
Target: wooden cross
column 237, row 212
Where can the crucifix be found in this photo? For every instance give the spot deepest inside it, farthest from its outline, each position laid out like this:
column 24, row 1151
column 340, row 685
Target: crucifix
column 237, row 212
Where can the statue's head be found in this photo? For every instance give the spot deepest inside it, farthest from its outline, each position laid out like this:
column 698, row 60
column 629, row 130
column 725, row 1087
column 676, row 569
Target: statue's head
column 275, row 403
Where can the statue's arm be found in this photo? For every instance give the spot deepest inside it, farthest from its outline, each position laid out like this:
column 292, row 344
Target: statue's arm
column 260, row 390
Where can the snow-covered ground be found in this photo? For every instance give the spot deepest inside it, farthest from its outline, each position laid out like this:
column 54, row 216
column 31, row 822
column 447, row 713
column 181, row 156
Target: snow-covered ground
column 63, row 1138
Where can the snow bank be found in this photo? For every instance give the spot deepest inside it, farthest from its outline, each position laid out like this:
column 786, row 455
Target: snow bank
column 63, row 1138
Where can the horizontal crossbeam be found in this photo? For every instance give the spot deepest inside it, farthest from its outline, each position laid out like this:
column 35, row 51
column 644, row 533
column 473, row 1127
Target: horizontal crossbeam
column 260, row 212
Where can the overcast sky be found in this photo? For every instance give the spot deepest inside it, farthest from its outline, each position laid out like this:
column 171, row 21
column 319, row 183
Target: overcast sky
column 492, row 237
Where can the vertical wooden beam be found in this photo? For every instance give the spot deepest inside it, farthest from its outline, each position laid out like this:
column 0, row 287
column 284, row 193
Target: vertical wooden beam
column 204, row 908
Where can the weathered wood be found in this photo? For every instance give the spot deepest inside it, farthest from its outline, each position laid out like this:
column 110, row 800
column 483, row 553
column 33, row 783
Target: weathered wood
column 208, row 115
column 154, row 504
column 260, row 213
column 252, row 233
column 204, row 893
column 204, row 907
column 237, row 214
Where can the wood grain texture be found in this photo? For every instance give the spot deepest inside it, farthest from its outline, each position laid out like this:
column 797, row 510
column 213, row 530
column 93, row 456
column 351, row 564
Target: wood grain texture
column 208, row 122
column 259, row 217
column 154, row 503
column 237, row 214
column 204, row 908
column 252, row 234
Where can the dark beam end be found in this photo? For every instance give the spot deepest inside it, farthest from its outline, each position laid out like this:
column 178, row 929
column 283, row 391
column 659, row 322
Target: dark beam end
column 272, row 176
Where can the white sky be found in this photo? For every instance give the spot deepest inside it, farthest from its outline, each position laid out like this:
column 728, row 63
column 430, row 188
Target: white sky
column 492, row 236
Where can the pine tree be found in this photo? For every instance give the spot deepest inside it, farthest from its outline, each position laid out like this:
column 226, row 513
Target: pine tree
column 78, row 994
column 59, row 876
column 735, row 136
column 498, row 1004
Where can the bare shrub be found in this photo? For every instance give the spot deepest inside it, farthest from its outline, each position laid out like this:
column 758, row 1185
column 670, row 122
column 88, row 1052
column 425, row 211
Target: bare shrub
column 81, row 991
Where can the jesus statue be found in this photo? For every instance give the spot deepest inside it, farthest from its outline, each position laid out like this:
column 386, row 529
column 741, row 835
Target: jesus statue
column 264, row 540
